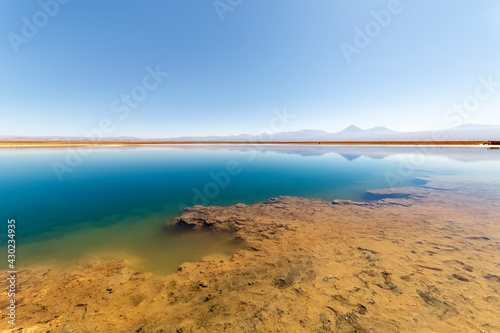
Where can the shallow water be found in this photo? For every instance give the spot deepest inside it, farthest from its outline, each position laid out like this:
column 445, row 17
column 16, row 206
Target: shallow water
column 112, row 203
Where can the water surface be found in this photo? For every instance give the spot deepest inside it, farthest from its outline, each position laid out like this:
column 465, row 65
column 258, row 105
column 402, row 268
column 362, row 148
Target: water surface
column 112, row 203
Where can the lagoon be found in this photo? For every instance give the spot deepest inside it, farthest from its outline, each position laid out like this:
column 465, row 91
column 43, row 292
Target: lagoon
column 113, row 204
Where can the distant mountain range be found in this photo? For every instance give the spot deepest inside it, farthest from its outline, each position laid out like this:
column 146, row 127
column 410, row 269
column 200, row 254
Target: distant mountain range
column 467, row 132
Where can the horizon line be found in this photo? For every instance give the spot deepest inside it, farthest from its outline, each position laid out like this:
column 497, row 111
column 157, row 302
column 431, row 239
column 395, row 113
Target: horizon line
column 241, row 134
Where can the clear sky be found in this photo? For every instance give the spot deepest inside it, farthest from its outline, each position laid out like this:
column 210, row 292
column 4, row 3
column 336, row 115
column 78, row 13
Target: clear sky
column 69, row 66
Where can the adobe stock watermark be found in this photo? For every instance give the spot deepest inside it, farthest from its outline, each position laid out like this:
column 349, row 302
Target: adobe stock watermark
column 222, row 178
column 454, row 116
column 122, row 107
column 371, row 30
column 32, row 25
column 223, row 6
column 11, row 272
column 464, row 110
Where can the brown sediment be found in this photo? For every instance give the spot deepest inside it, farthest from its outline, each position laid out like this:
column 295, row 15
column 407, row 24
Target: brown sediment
column 416, row 260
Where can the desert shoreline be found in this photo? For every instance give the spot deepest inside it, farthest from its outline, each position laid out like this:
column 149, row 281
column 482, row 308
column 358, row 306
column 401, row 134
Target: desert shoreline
column 98, row 144
column 418, row 259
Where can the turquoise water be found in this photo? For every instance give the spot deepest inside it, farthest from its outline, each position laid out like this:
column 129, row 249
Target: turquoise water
column 112, row 203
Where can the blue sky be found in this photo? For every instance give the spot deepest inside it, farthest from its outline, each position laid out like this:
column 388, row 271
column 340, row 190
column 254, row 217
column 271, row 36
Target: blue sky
column 227, row 76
